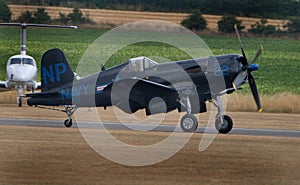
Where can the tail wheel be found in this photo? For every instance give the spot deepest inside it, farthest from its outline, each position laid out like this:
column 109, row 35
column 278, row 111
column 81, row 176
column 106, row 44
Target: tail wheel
column 189, row 123
column 224, row 127
column 68, row 122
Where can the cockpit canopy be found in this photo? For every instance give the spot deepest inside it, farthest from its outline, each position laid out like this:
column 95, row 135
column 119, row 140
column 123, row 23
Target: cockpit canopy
column 141, row 63
column 20, row 59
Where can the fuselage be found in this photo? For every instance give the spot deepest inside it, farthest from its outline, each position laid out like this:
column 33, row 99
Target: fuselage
column 207, row 76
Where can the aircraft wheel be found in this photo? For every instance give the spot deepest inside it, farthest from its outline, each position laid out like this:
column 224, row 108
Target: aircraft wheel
column 224, row 127
column 68, row 122
column 19, row 101
column 188, row 123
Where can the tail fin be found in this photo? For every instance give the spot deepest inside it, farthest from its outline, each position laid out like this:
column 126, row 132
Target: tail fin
column 55, row 70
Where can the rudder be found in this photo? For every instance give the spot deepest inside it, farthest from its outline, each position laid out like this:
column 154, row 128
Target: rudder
column 55, row 70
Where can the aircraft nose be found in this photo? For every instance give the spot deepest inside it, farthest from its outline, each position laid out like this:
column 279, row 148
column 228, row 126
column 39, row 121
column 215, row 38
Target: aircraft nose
column 20, row 76
column 20, row 73
column 17, row 77
column 253, row 67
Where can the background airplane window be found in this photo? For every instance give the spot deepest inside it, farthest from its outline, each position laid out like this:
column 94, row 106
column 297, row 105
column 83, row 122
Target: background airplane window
column 15, row 61
column 27, row 61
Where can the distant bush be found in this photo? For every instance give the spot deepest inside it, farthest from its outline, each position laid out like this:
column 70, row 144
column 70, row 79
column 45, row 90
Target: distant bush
column 262, row 28
column 293, row 25
column 227, row 23
column 75, row 17
column 25, row 17
column 63, row 18
column 5, row 13
column 40, row 16
column 195, row 21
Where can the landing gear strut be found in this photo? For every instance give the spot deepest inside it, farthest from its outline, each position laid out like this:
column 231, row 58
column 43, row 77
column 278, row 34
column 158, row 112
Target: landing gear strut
column 20, row 94
column 19, row 101
column 69, row 110
column 223, row 123
column 188, row 122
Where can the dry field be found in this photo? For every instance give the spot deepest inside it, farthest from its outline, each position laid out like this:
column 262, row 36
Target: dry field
column 32, row 155
column 116, row 17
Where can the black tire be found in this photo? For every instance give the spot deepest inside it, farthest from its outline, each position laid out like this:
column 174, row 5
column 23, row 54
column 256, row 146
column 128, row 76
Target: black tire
column 188, row 123
column 68, row 123
column 20, row 102
column 224, row 127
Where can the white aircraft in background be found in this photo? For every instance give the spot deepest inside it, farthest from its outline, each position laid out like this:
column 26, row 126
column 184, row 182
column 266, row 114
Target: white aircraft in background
column 21, row 70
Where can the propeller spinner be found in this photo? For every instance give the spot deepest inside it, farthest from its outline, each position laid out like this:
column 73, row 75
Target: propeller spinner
column 246, row 72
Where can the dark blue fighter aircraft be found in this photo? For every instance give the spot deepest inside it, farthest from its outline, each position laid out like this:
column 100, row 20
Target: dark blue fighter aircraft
column 144, row 85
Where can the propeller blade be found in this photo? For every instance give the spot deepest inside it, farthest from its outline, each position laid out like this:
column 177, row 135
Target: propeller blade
column 245, row 61
column 240, row 79
column 254, row 91
column 260, row 50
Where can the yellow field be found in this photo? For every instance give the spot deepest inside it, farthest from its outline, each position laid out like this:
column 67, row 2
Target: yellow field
column 117, row 17
column 279, row 103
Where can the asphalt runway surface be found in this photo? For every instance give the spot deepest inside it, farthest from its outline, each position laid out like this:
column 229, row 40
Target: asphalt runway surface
column 150, row 127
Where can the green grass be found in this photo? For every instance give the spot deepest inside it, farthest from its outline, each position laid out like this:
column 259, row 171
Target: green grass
column 279, row 63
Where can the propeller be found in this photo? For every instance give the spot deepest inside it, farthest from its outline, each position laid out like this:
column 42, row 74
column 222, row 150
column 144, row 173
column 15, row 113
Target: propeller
column 246, row 72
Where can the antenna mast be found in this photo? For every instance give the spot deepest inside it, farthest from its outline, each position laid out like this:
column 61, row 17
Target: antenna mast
column 23, row 40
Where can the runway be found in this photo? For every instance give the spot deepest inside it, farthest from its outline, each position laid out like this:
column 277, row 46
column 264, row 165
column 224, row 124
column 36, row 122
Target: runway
column 150, row 127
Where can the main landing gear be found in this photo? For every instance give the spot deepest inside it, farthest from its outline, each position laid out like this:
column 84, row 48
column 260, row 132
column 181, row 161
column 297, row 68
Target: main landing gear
column 69, row 110
column 223, row 123
column 189, row 122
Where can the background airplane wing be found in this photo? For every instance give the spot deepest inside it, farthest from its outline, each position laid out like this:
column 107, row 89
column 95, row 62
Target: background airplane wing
column 3, row 86
column 38, row 85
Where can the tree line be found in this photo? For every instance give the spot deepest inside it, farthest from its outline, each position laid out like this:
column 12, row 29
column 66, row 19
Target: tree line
column 279, row 9
column 41, row 16
column 195, row 21
column 227, row 23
